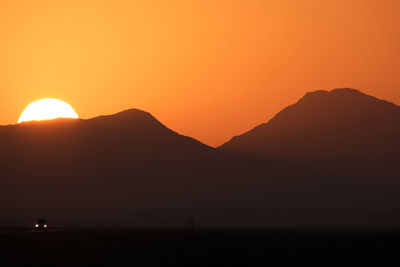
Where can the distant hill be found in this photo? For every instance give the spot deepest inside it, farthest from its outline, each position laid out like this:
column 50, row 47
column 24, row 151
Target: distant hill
column 339, row 125
column 133, row 132
column 331, row 160
column 100, row 167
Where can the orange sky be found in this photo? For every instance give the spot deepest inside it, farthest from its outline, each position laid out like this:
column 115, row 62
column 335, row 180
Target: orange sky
column 207, row 69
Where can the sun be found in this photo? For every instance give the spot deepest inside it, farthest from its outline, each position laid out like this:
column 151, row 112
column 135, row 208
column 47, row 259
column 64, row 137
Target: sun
column 47, row 109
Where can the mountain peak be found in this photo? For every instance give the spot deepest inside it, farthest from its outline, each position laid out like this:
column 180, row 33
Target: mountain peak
column 127, row 114
column 136, row 118
column 340, row 123
column 337, row 93
column 345, row 98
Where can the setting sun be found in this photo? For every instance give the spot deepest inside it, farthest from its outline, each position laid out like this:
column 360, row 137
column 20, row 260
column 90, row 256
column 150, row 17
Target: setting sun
column 47, row 109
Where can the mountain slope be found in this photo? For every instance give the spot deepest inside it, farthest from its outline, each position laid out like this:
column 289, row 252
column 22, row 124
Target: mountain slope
column 338, row 125
column 129, row 169
column 105, row 165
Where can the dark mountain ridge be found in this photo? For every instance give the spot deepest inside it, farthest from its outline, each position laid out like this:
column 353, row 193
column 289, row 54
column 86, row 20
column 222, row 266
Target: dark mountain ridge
column 101, row 165
column 340, row 125
column 128, row 168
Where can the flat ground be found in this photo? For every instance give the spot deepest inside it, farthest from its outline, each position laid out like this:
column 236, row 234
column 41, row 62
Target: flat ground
column 203, row 247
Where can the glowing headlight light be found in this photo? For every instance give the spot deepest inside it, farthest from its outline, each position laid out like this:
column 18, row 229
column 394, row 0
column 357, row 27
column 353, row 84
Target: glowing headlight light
column 45, row 226
column 36, row 225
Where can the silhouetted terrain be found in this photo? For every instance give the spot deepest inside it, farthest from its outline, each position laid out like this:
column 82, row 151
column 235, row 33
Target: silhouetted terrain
column 331, row 150
column 102, row 170
column 343, row 125
column 330, row 160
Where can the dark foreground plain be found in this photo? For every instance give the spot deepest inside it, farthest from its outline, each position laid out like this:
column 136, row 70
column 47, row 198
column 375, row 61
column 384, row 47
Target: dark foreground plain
column 202, row 247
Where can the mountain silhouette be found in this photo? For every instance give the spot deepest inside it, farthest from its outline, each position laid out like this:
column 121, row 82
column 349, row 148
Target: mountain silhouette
column 131, row 131
column 330, row 159
column 339, row 125
column 97, row 166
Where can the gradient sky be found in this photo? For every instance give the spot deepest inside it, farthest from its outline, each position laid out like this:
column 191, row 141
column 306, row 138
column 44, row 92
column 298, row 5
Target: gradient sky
column 207, row 69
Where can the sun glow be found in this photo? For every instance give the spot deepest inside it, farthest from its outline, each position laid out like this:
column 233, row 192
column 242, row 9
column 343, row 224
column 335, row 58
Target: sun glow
column 47, row 109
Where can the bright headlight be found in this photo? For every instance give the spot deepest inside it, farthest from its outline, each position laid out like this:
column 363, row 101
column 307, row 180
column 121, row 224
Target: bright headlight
column 37, row 225
column 45, row 225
